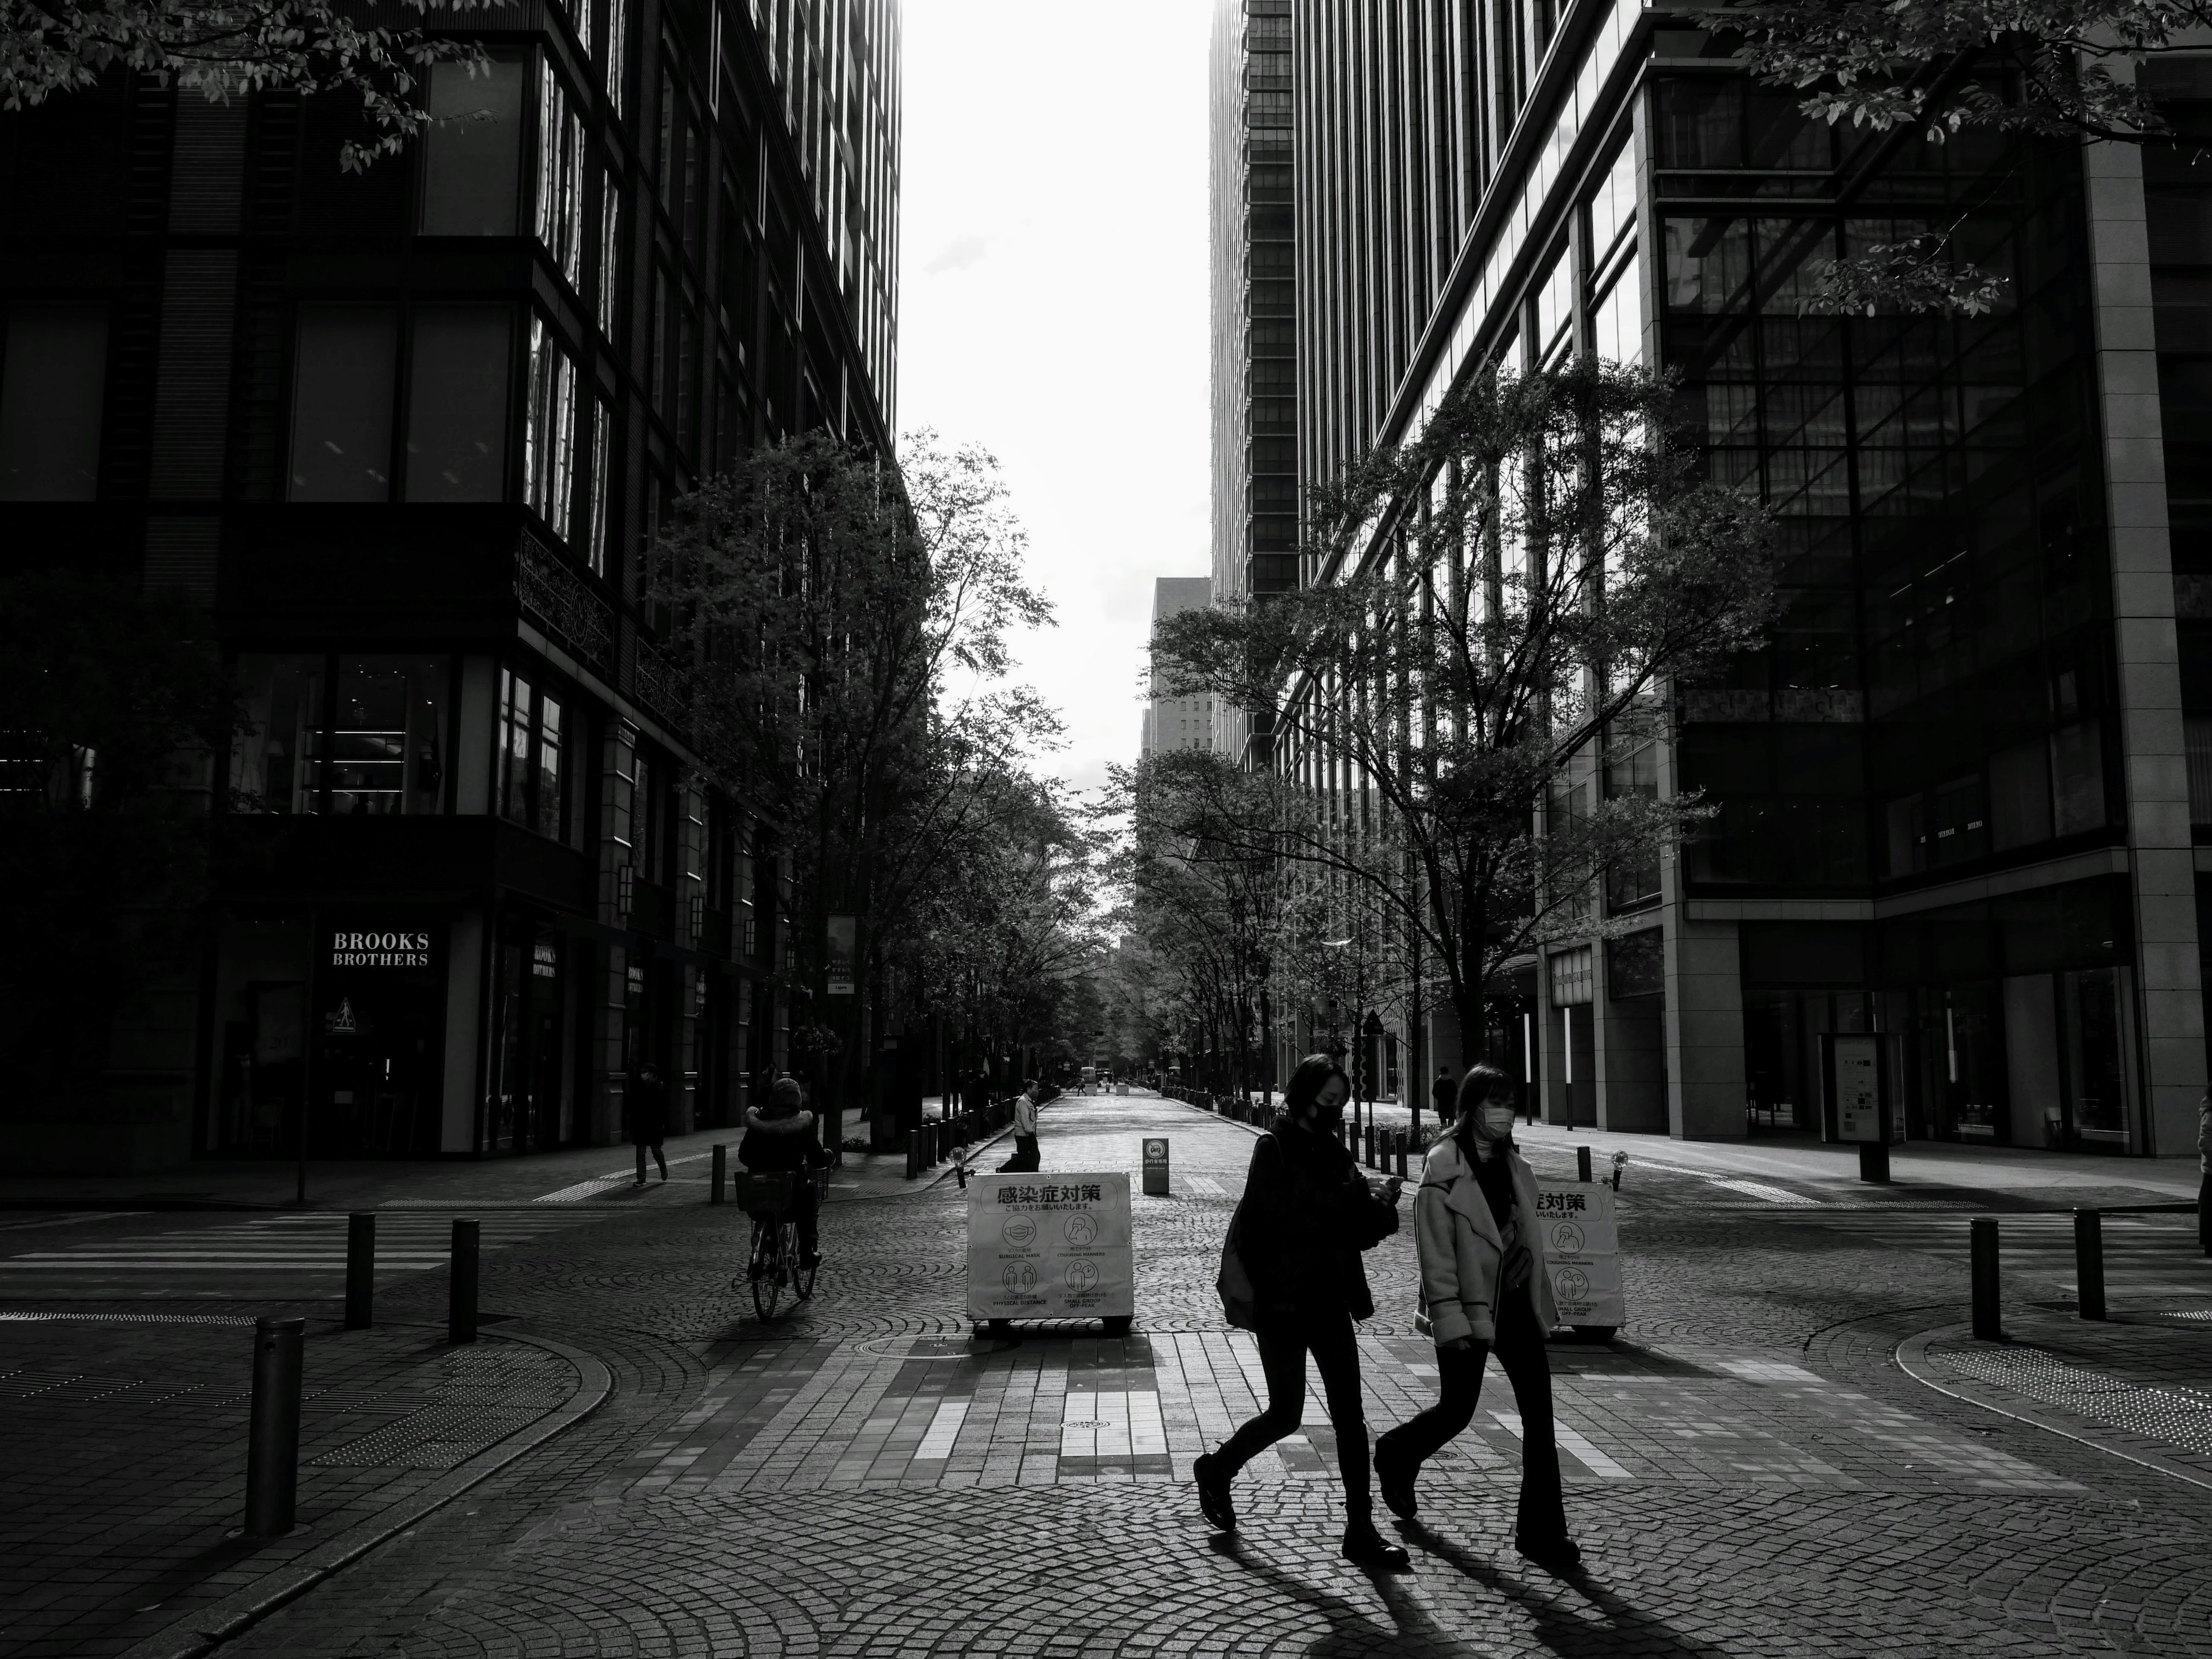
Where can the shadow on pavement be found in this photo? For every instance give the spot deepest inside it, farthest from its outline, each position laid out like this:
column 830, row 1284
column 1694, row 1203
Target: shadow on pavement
column 1623, row 1628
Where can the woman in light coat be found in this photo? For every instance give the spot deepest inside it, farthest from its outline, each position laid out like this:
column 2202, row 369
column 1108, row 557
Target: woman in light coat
column 1485, row 1290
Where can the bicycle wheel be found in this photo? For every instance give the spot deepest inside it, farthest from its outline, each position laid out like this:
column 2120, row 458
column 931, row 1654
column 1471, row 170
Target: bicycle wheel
column 767, row 1269
column 802, row 1275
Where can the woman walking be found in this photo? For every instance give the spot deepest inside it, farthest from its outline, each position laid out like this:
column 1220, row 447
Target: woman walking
column 648, row 1118
column 1484, row 1290
column 1306, row 1214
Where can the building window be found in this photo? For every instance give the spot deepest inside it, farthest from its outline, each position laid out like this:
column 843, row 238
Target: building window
column 602, row 488
column 532, row 781
column 647, row 821
column 472, row 155
column 550, row 437
column 342, row 403
column 560, row 178
column 617, row 52
column 376, row 748
column 609, row 256
column 458, row 404
column 51, row 386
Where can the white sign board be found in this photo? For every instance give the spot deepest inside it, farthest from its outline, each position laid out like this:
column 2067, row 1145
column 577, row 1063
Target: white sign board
column 1582, row 1252
column 1858, row 1086
column 1050, row 1247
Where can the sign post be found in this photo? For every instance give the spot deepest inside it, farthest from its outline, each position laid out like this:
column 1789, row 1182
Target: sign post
column 842, row 942
column 1050, row 1247
column 1156, row 1166
column 1858, row 1101
column 1582, row 1252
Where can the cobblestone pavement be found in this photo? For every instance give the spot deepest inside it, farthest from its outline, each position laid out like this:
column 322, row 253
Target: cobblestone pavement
column 1748, row 1467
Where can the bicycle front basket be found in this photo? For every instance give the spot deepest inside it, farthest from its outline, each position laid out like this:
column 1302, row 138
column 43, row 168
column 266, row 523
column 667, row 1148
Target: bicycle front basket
column 764, row 1197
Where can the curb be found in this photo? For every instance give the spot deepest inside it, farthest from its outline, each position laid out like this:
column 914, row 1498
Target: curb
column 1252, row 1130
column 207, row 1628
column 1912, row 1356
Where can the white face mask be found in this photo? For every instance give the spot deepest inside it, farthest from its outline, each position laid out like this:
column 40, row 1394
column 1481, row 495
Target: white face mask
column 1498, row 1120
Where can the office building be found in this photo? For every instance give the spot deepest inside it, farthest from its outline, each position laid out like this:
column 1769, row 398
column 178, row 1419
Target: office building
column 1254, row 403
column 1172, row 723
column 408, row 433
column 1965, row 794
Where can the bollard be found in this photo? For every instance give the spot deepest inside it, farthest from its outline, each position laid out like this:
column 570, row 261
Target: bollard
column 272, row 1445
column 1874, row 1162
column 1581, row 1164
column 1987, row 1326
column 1404, row 1141
column 913, row 1153
column 721, row 1174
column 2089, row 1263
column 361, row 1272
column 461, row 1287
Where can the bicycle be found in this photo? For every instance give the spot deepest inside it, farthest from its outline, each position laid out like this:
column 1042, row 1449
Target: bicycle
column 775, row 1263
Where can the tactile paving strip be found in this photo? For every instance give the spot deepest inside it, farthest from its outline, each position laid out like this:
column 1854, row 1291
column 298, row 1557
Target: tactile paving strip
column 483, row 1395
column 2178, row 1415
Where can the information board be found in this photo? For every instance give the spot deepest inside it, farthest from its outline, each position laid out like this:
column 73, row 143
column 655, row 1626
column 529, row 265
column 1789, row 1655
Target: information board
column 1857, row 1061
column 1050, row 1247
column 1156, row 1166
column 1582, row 1252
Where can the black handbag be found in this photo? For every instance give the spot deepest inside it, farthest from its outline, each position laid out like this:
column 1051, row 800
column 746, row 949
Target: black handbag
column 1240, row 1300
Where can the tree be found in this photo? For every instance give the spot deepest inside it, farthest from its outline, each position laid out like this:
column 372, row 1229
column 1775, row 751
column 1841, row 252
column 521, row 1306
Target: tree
column 842, row 625
column 2045, row 70
column 1449, row 710
column 226, row 49
column 111, row 706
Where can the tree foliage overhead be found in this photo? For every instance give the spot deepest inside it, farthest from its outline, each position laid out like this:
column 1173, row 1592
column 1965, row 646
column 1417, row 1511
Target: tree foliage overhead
column 1459, row 680
column 227, row 49
column 2041, row 70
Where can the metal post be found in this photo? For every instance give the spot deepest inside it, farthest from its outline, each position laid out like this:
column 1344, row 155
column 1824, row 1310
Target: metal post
column 272, row 1444
column 1874, row 1162
column 361, row 1272
column 2089, row 1263
column 1581, row 1164
column 1987, row 1325
column 1403, row 1139
column 461, row 1290
column 721, row 1174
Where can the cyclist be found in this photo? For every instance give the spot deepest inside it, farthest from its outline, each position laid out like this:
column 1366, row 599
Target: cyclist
column 780, row 1137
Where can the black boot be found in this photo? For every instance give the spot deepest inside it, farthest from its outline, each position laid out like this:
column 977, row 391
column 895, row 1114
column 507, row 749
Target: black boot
column 1394, row 1475
column 1364, row 1548
column 1559, row 1555
column 1213, row 1494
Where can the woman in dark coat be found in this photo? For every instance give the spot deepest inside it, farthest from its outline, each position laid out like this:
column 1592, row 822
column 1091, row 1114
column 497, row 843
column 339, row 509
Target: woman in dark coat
column 1306, row 1214
column 649, row 1117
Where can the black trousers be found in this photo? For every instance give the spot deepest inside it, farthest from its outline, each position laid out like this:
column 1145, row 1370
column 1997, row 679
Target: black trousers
column 1284, row 1342
column 1520, row 1350
column 654, row 1147
column 1026, row 1157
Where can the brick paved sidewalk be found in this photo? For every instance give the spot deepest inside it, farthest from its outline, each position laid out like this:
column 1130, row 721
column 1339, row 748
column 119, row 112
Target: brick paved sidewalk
column 124, row 1440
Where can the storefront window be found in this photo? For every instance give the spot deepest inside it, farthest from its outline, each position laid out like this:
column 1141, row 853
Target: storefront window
column 533, row 783
column 377, row 750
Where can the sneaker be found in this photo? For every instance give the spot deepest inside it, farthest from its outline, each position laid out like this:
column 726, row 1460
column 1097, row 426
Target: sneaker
column 1394, row 1475
column 1213, row 1494
column 1364, row 1548
column 1560, row 1555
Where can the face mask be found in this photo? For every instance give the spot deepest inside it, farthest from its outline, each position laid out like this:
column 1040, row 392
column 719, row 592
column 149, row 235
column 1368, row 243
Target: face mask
column 1498, row 1121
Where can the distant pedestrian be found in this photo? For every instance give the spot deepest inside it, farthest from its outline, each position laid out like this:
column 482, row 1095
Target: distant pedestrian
column 1306, row 1215
column 1443, row 1094
column 1485, row 1290
column 649, row 1117
column 781, row 1138
column 1026, row 1156
column 2204, row 1168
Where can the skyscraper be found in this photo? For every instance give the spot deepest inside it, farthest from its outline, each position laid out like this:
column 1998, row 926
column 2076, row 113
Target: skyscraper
column 1959, row 793
column 1172, row 723
column 1255, row 416
column 410, row 433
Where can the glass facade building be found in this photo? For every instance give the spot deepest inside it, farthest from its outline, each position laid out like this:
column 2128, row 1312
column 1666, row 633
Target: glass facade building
column 1957, row 792
column 409, row 433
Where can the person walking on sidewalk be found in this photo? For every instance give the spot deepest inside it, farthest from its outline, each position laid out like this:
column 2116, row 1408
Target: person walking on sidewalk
column 2204, row 1168
column 781, row 1138
column 1443, row 1094
column 1026, row 1157
column 1485, row 1290
column 649, row 1117
column 1306, row 1215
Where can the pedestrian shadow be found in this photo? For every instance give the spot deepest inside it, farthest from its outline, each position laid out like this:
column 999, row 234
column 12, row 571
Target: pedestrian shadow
column 1623, row 1628
column 1412, row 1632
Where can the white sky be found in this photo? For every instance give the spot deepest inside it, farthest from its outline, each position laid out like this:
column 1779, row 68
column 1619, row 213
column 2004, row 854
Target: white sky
column 1052, row 308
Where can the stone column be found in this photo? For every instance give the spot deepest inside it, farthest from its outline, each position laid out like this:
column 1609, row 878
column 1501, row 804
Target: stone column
column 2155, row 768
